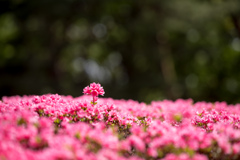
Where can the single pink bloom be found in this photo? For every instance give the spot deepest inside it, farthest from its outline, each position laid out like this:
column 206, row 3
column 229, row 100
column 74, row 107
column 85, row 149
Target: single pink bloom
column 86, row 90
column 95, row 89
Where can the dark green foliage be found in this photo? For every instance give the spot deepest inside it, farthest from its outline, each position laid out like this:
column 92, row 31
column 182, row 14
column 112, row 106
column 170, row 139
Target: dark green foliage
column 136, row 49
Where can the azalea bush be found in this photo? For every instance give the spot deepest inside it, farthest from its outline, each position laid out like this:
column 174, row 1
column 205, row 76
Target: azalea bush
column 93, row 128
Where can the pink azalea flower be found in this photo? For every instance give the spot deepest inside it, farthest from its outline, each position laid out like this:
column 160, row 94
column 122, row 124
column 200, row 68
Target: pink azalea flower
column 95, row 89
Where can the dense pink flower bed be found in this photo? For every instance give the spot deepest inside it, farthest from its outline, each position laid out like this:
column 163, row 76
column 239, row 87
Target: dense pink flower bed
column 91, row 128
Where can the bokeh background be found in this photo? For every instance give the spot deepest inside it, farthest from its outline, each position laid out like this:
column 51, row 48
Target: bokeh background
column 141, row 50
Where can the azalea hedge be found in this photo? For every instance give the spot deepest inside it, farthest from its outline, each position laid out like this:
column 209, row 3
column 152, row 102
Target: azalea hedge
column 92, row 128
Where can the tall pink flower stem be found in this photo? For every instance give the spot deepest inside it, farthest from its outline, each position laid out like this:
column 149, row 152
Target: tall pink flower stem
column 94, row 89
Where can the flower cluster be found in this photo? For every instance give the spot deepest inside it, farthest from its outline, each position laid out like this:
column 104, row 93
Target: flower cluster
column 62, row 127
column 94, row 90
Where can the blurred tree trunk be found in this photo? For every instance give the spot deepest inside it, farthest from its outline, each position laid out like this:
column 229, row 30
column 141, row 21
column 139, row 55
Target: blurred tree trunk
column 236, row 22
column 167, row 65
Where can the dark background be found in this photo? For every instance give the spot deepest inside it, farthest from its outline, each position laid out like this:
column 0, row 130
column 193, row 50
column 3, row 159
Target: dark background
column 141, row 50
